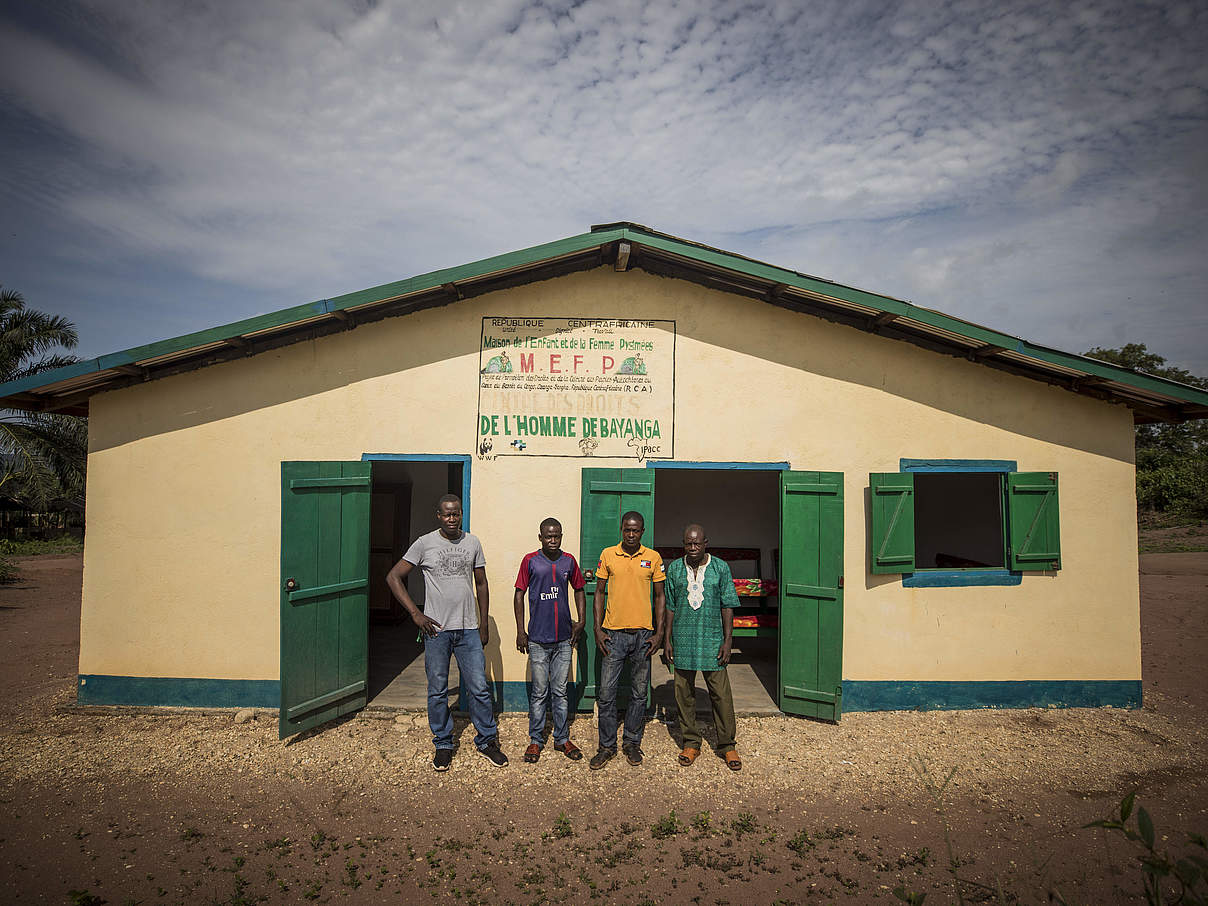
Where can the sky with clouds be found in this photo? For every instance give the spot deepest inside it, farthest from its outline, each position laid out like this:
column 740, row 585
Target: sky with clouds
column 1041, row 168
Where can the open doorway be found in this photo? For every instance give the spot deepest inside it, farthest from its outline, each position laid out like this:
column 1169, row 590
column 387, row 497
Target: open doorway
column 740, row 511
column 402, row 507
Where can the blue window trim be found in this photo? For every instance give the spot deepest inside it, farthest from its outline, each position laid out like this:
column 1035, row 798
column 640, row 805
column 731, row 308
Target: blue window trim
column 687, row 464
column 434, row 457
column 959, row 578
column 957, row 465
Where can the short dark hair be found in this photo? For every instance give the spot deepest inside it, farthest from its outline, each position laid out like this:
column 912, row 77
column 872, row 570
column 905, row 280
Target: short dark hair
column 634, row 514
column 549, row 520
column 448, row 498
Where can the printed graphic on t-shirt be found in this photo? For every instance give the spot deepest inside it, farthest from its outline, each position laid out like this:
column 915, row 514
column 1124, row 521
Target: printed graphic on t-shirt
column 453, row 562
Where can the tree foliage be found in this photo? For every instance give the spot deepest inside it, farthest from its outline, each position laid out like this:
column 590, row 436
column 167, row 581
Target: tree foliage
column 43, row 453
column 1172, row 459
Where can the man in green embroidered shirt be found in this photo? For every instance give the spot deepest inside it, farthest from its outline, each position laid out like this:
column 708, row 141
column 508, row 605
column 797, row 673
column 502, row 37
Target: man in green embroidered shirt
column 700, row 626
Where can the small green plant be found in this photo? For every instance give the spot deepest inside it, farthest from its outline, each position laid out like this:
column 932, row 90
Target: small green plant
column 744, row 823
column 1186, row 876
column 800, row 842
column 838, row 832
column 906, row 896
column 562, row 827
column 702, row 823
column 667, row 826
column 84, row 898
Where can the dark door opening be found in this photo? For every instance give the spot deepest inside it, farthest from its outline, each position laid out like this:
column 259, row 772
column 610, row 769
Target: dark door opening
column 739, row 510
column 402, row 508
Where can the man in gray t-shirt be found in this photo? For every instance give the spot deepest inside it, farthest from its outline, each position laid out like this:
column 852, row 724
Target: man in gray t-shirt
column 453, row 624
column 448, row 568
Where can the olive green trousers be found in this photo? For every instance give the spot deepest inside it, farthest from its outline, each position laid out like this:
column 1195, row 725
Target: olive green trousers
column 717, row 682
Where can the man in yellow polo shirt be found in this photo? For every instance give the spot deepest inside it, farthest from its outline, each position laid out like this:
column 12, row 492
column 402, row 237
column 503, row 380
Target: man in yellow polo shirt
column 625, row 631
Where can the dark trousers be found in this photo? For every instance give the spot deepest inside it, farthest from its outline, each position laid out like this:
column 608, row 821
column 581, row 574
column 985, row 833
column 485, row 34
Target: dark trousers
column 721, row 700
column 626, row 645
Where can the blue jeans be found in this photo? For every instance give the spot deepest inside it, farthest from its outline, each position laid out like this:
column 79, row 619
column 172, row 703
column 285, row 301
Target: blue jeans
column 466, row 646
column 549, row 664
column 624, row 646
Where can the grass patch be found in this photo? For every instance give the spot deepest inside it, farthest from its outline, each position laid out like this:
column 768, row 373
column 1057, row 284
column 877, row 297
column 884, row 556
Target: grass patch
column 1166, row 534
column 31, row 547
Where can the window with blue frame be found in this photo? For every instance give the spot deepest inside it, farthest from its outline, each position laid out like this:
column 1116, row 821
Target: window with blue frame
column 963, row 522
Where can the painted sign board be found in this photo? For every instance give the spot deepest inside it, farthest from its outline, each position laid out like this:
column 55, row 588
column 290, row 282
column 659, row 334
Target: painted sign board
column 581, row 387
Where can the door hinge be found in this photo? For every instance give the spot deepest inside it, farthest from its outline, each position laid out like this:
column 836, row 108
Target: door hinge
column 840, row 581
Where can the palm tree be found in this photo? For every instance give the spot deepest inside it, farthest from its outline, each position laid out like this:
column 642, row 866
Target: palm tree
column 42, row 454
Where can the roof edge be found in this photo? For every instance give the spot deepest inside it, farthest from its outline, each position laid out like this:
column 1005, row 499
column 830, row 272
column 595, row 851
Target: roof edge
column 985, row 342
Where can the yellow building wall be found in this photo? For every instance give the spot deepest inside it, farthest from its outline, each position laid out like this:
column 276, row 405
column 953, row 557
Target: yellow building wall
column 181, row 560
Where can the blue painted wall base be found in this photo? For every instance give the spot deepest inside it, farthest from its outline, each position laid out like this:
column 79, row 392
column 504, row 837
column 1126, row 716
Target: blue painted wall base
column 513, row 696
column 868, row 695
column 177, row 692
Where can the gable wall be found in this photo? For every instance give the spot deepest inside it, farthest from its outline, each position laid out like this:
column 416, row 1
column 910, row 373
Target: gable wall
column 182, row 552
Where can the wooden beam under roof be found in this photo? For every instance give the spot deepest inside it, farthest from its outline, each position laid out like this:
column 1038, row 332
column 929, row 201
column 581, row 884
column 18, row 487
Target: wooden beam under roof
column 982, row 352
column 883, row 319
column 623, row 251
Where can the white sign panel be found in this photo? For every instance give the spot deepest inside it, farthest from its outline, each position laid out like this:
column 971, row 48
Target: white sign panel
column 585, row 387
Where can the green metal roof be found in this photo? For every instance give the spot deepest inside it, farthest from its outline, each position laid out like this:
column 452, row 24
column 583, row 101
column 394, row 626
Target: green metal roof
column 624, row 246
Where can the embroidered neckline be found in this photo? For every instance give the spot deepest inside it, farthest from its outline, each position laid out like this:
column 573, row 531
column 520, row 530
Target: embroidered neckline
column 696, row 582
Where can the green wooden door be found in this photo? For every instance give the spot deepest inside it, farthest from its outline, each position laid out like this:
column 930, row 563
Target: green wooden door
column 607, row 494
column 811, row 594
column 324, row 591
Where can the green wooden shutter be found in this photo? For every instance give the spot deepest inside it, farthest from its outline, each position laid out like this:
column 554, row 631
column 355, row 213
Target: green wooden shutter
column 892, row 537
column 607, row 493
column 324, row 609
column 1032, row 516
column 811, row 594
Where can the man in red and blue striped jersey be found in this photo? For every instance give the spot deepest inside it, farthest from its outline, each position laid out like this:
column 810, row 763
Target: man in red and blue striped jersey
column 548, row 575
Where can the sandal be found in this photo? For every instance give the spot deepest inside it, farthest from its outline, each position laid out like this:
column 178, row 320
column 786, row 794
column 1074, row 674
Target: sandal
column 688, row 756
column 532, row 753
column 733, row 762
column 570, row 750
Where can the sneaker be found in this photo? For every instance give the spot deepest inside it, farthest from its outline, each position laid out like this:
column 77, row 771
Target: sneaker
column 442, row 759
column 532, row 753
column 633, row 754
column 601, row 758
column 492, row 754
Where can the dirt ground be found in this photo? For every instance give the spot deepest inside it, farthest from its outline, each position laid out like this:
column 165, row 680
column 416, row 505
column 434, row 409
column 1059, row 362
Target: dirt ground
column 184, row 807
